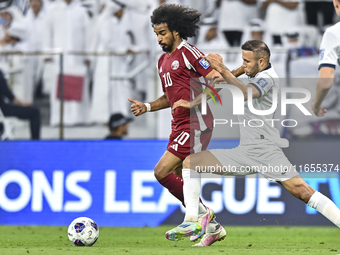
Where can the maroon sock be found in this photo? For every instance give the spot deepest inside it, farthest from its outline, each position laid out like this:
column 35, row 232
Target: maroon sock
column 174, row 184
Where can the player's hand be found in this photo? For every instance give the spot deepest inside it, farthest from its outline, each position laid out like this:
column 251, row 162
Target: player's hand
column 180, row 103
column 318, row 111
column 215, row 61
column 217, row 81
column 137, row 108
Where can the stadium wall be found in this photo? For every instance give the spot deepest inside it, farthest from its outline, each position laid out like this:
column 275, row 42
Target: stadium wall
column 112, row 182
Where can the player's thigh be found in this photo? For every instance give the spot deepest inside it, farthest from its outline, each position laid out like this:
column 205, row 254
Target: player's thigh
column 167, row 164
column 272, row 163
column 219, row 161
column 200, row 160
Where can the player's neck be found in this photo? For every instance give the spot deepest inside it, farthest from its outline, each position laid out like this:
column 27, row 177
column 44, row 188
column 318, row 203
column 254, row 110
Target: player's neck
column 176, row 44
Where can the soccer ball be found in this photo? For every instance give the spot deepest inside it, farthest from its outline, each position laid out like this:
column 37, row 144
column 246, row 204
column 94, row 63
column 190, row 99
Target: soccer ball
column 83, row 232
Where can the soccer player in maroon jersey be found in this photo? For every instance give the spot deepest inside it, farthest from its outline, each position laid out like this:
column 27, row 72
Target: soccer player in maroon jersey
column 180, row 68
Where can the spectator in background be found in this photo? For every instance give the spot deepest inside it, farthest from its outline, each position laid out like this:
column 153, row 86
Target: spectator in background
column 119, row 126
column 10, row 105
column 65, row 28
column 257, row 29
column 234, row 17
column 140, row 31
column 315, row 7
column 280, row 16
column 111, row 36
column 34, row 22
column 13, row 107
column 293, row 39
column 209, row 36
column 12, row 65
column 9, row 15
column 93, row 8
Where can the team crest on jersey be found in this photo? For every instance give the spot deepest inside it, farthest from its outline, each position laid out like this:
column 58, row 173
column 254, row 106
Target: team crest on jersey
column 322, row 54
column 204, row 63
column 175, row 65
column 262, row 82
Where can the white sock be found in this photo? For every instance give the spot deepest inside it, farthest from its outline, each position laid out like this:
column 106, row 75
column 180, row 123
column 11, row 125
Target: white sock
column 192, row 191
column 326, row 207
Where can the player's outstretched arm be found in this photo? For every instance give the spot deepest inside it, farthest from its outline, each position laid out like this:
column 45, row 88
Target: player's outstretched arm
column 325, row 82
column 138, row 108
column 216, row 62
column 216, row 78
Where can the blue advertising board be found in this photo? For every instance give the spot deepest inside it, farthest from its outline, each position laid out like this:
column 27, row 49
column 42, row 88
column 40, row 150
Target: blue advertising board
column 112, row 182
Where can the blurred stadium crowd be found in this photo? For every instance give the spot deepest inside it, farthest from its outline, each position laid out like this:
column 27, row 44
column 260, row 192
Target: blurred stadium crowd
column 110, row 50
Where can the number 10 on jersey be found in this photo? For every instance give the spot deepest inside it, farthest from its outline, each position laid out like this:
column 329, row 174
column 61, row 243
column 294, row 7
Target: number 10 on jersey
column 167, row 79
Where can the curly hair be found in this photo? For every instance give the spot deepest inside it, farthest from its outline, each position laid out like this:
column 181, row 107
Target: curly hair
column 179, row 18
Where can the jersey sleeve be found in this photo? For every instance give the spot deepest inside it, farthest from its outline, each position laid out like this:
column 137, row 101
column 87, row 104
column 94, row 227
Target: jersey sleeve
column 263, row 83
column 193, row 60
column 159, row 70
column 328, row 55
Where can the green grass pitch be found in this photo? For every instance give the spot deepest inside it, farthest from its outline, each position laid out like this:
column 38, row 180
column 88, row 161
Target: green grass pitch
column 239, row 240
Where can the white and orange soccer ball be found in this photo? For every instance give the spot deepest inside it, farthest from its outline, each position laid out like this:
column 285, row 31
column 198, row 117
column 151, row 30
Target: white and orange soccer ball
column 83, row 232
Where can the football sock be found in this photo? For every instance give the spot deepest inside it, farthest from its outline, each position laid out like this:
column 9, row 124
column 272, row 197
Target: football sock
column 326, row 207
column 174, row 184
column 192, row 190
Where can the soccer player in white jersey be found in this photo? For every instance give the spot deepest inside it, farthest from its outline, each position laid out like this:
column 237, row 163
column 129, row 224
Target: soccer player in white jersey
column 259, row 147
column 329, row 58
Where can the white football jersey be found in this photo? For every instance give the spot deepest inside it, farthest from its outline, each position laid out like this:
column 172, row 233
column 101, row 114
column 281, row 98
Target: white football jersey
column 257, row 129
column 330, row 47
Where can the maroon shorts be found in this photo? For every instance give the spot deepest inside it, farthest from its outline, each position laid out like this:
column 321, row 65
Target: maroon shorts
column 185, row 142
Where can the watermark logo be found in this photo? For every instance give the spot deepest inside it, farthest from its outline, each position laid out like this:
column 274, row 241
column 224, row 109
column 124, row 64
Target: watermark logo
column 209, row 93
column 238, row 100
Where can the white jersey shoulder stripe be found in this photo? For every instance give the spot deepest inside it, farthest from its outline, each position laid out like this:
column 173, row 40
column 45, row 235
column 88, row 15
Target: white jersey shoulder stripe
column 191, row 50
column 187, row 63
column 194, row 49
column 197, row 51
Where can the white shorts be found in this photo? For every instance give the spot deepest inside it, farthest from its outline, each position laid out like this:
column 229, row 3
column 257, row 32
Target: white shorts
column 266, row 159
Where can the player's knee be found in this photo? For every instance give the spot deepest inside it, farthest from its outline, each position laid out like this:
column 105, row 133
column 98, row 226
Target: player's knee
column 186, row 162
column 159, row 173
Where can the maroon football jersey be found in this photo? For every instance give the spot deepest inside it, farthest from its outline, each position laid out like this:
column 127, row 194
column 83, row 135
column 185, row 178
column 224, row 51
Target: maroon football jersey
column 182, row 74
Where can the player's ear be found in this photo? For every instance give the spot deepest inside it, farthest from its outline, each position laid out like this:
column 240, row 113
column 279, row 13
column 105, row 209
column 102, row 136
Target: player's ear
column 260, row 62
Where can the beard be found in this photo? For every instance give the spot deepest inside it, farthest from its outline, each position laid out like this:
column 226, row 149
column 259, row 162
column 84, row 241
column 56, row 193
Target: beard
column 167, row 48
column 256, row 70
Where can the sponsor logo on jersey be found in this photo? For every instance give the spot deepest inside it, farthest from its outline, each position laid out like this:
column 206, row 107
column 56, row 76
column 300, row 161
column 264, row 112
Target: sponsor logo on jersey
column 262, row 82
column 175, row 65
column 322, row 54
column 204, row 63
column 174, row 146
